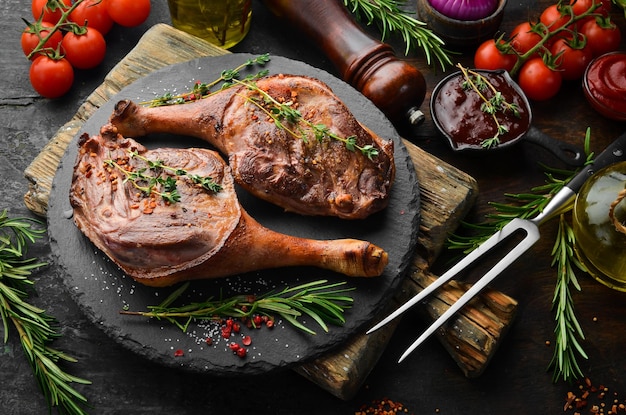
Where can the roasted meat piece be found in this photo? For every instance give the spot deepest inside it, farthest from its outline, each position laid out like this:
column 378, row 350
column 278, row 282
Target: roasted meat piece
column 303, row 165
column 167, row 215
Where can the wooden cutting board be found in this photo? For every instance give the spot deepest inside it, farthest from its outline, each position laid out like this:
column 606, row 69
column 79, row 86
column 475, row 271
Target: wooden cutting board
column 446, row 195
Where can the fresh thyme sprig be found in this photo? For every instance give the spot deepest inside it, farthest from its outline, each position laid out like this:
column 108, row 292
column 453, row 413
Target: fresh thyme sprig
column 202, row 90
column 391, row 18
column 284, row 111
column 151, row 184
column 34, row 327
column 492, row 106
column 325, row 303
column 568, row 332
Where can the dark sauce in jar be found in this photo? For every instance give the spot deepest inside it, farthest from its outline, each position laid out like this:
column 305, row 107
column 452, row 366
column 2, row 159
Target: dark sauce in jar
column 457, row 111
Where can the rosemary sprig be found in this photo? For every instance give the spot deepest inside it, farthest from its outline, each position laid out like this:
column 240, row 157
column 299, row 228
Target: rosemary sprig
column 202, row 90
column 568, row 332
column 34, row 327
column 324, row 303
column 149, row 184
column 284, row 111
column 391, row 18
column 492, row 106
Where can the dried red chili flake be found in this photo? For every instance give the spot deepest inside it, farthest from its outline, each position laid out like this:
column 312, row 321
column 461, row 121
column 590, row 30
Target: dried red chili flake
column 383, row 407
column 246, row 340
column 179, row 353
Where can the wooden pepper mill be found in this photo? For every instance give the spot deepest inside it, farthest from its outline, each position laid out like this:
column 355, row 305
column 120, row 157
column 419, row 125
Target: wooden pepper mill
column 396, row 87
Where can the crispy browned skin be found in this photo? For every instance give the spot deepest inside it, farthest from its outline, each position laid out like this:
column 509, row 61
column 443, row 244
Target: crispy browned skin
column 204, row 235
column 302, row 175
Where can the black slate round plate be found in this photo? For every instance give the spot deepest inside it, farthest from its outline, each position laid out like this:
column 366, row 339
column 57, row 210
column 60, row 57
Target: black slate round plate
column 102, row 290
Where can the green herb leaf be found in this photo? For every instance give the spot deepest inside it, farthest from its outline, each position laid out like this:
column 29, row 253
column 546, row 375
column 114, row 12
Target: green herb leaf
column 34, row 327
column 324, row 303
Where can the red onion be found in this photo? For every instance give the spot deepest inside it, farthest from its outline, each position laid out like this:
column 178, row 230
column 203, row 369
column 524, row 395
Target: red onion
column 465, row 9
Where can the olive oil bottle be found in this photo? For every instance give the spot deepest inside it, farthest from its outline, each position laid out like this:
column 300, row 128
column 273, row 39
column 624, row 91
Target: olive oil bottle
column 223, row 23
column 599, row 225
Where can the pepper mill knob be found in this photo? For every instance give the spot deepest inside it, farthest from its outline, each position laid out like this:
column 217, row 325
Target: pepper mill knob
column 396, row 87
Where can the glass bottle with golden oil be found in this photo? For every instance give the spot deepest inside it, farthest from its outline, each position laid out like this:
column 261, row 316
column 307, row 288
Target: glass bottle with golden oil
column 223, row 23
column 599, row 225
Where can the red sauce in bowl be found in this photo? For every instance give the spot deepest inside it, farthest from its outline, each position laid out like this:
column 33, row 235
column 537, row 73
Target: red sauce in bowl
column 604, row 84
column 457, row 113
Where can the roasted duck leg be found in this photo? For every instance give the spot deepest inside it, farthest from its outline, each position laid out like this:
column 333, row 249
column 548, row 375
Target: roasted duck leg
column 301, row 165
column 168, row 215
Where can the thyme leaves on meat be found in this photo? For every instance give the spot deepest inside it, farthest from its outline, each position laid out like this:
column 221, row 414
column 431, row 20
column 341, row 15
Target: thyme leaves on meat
column 157, row 184
column 568, row 331
column 391, row 18
column 35, row 327
column 202, row 90
column 280, row 112
column 324, row 302
column 284, row 112
column 491, row 106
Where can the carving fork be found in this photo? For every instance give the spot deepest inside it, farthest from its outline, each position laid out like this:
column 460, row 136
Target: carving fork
column 615, row 152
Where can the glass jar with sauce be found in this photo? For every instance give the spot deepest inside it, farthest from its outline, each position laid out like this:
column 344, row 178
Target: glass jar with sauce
column 599, row 225
column 223, row 23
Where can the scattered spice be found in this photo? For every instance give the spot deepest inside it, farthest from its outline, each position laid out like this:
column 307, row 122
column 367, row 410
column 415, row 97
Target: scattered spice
column 383, row 406
column 594, row 399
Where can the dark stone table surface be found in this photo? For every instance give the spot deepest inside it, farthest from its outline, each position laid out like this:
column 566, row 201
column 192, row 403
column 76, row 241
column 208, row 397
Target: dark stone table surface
column 429, row 381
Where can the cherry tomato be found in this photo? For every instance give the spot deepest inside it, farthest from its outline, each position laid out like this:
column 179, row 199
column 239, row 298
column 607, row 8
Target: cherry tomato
column 51, row 9
column 538, row 81
column 128, row 12
column 553, row 19
column 51, row 78
column 95, row 13
column 602, row 36
column 572, row 57
column 523, row 38
column 581, row 6
column 86, row 50
column 489, row 56
column 30, row 39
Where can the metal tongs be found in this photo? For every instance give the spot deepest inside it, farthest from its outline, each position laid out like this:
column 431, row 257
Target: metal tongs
column 613, row 153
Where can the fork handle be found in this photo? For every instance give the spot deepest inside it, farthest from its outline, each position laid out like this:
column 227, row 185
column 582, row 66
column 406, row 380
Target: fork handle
column 615, row 152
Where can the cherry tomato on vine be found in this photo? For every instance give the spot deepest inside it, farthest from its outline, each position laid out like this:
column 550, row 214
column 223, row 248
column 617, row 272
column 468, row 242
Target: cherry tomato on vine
column 523, row 38
column 51, row 9
column 602, row 36
column 95, row 13
column 489, row 56
column 51, row 78
column 572, row 57
column 538, row 81
column 84, row 50
column 552, row 17
column 30, row 39
column 581, row 6
column 128, row 13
